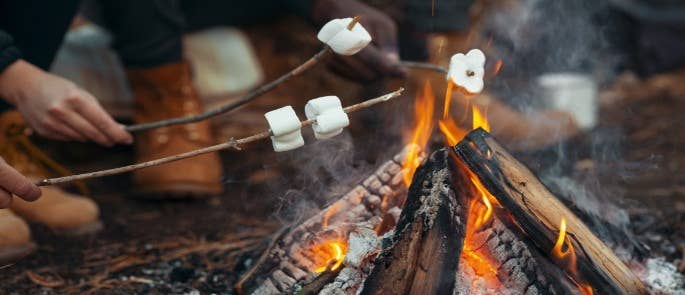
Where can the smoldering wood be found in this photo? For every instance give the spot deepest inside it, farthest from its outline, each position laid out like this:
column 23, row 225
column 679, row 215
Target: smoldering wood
column 422, row 255
column 538, row 212
column 522, row 268
column 285, row 263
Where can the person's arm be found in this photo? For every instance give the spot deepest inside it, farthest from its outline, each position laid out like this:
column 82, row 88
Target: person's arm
column 53, row 106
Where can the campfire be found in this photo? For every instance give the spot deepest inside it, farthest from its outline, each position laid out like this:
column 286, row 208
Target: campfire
column 467, row 219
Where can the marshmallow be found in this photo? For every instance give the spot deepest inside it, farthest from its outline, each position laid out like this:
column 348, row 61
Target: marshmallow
column 341, row 40
column 317, row 106
column 330, row 123
column 467, row 71
column 329, row 114
column 285, row 126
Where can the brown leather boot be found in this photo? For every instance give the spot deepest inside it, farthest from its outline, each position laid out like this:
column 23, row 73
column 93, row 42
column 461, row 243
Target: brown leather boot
column 165, row 92
column 15, row 237
column 63, row 212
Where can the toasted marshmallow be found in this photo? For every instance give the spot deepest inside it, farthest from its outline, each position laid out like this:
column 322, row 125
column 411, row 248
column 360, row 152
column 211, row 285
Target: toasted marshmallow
column 286, row 129
column 341, row 40
column 329, row 114
column 467, row 71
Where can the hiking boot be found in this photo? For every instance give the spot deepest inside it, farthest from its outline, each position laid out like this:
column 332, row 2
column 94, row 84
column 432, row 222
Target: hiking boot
column 166, row 92
column 15, row 238
column 61, row 211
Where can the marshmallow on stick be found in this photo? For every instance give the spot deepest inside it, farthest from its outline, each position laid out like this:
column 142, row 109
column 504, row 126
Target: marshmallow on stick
column 286, row 129
column 467, row 71
column 342, row 39
column 329, row 114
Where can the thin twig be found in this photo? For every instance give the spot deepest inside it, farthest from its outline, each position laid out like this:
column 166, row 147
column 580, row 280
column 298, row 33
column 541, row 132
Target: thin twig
column 422, row 65
column 231, row 144
column 318, row 57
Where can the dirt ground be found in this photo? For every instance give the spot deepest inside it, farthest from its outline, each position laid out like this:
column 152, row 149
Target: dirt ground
column 204, row 245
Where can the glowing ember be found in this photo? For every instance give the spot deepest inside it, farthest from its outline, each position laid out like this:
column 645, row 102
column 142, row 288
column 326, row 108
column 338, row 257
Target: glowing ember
column 424, row 107
column 569, row 257
column 329, row 255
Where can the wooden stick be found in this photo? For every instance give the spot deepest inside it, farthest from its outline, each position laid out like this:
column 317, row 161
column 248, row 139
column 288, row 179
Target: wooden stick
column 231, row 144
column 423, row 66
column 538, row 213
column 311, row 62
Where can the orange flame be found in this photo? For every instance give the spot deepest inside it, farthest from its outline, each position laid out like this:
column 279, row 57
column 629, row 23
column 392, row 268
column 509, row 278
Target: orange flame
column 329, row 255
column 498, row 67
column 480, row 120
column 424, row 107
column 569, row 257
column 480, row 211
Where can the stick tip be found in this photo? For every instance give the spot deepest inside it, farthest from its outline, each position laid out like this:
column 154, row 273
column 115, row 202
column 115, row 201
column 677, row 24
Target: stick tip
column 354, row 22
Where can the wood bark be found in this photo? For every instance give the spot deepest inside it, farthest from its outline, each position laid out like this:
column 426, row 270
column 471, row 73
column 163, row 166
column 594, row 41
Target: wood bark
column 422, row 256
column 538, row 213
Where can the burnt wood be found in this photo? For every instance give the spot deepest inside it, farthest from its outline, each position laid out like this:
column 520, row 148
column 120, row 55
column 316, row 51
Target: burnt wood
column 422, row 255
column 538, row 213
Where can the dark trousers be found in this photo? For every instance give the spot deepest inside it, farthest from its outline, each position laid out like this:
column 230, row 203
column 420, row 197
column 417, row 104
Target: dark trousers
column 148, row 33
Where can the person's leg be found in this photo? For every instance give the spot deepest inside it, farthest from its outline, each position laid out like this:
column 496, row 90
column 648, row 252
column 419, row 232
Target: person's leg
column 202, row 14
column 147, row 36
column 146, row 33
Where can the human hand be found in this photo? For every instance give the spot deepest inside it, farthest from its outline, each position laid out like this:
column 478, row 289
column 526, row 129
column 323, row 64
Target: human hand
column 13, row 183
column 380, row 58
column 57, row 108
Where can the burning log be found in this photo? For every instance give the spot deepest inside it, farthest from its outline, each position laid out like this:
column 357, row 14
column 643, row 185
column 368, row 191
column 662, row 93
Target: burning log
column 520, row 267
column 295, row 255
column 549, row 224
column 422, row 256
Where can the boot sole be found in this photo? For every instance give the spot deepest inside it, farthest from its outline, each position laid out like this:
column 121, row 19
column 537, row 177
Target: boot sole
column 10, row 255
column 178, row 191
column 86, row 229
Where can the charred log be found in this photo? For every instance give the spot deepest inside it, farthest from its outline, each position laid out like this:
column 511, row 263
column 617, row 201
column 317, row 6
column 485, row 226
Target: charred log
column 289, row 259
column 422, row 255
column 537, row 212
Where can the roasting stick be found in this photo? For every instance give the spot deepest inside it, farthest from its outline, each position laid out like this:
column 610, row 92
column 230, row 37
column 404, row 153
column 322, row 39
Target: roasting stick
column 311, row 62
column 231, row 144
column 423, row 66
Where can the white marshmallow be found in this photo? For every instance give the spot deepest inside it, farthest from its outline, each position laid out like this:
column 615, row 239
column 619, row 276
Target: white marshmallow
column 329, row 114
column 282, row 145
column 286, row 129
column 330, row 123
column 317, row 106
column 467, row 71
column 341, row 40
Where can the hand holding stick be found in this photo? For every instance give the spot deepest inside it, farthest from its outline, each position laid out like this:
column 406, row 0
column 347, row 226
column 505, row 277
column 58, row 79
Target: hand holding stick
column 231, row 144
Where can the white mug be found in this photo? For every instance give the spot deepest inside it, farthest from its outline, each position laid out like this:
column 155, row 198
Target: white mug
column 575, row 93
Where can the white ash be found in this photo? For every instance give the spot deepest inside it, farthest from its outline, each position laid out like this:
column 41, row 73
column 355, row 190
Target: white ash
column 363, row 246
column 469, row 283
column 662, row 277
